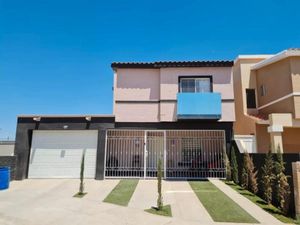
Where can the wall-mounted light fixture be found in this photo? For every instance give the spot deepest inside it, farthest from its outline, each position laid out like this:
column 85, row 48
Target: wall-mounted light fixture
column 37, row 119
column 65, row 126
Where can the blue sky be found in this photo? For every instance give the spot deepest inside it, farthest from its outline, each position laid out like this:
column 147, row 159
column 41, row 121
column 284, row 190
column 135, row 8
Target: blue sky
column 55, row 55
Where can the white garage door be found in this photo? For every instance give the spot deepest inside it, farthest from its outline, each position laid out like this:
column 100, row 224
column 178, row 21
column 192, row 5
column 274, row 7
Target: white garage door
column 57, row 154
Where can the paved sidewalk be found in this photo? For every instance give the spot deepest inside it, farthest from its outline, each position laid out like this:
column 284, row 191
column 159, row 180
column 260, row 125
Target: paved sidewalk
column 254, row 210
column 184, row 202
column 145, row 195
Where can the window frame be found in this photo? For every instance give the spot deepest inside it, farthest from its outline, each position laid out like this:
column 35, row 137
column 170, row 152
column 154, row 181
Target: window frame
column 195, row 77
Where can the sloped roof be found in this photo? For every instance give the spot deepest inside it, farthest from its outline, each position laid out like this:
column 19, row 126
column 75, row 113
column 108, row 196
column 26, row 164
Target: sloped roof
column 163, row 64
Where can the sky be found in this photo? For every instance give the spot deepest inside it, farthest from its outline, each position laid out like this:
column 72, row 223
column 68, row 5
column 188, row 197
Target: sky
column 55, row 55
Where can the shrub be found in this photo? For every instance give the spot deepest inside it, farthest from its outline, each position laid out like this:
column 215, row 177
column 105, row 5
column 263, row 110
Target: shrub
column 234, row 167
column 159, row 180
column 252, row 176
column 267, row 178
column 282, row 187
column 244, row 178
column 228, row 168
column 81, row 186
column 249, row 175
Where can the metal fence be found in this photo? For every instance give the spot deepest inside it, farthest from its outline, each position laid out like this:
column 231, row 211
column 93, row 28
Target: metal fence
column 189, row 154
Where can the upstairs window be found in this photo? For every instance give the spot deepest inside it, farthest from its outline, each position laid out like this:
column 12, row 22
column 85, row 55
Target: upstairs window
column 199, row 84
column 251, row 99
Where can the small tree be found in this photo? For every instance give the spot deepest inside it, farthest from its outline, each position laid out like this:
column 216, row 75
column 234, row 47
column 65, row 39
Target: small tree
column 252, row 176
column 159, row 184
column 228, row 168
column 282, row 187
column 234, row 167
column 267, row 178
column 81, row 186
column 244, row 178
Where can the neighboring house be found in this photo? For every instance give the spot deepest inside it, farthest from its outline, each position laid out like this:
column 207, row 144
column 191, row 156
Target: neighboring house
column 7, row 148
column 179, row 112
column 267, row 97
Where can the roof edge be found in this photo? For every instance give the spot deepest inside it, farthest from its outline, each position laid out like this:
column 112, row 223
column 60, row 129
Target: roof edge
column 67, row 116
column 275, row 58
column 164, row 64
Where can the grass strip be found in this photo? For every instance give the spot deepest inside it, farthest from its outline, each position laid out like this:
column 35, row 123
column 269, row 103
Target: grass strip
column 122, row 192
column 261, row 203
column 166, row 211
column 219, row 206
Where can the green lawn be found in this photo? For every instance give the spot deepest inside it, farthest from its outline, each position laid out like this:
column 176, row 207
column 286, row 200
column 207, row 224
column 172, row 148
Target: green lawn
column 122, row 193
column 261, row 203
column 166, row 211
column 220, row 207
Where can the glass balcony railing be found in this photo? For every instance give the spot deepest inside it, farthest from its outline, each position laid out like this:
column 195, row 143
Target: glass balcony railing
column 199, row 106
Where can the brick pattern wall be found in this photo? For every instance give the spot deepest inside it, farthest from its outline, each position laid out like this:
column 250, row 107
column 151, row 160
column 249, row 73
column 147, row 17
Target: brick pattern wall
column 9, row 161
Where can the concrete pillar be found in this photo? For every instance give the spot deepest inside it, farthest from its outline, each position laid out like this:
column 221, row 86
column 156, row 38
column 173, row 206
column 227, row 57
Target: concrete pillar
column 296, row 182
column 276, row 137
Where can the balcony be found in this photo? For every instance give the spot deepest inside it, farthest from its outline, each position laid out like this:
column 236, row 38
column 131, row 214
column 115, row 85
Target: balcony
column 199, row 106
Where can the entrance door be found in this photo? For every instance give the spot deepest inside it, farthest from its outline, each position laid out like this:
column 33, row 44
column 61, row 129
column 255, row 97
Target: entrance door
column 154, row 152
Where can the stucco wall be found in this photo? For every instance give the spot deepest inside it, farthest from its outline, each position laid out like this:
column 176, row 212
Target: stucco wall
column 243, row 79
column 150, row 95
column 137, row 112
column 137, row 84
column 284, row 106
column 297, row 106
column 221, row 76
column 295, row 70
column 276, row 78
column 291, row 140
column 262, row 139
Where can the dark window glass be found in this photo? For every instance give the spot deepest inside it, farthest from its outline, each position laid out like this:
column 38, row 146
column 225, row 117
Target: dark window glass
column 251, row 101
column 201, row 84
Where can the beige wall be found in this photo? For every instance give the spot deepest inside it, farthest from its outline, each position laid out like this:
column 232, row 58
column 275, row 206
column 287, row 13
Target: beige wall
column 263, row 139
column 295, row 70
column 276, row 78
column 297, row 107
column 137, row 84
column 243, row 78
column 137, row 112
column 156, row 90
column 222, row 80
column 284, row 106
column 291, row 140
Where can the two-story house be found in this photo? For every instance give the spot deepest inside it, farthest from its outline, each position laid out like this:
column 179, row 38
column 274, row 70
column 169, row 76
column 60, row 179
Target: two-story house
column 267, row 96
column 180, row 113
column 189, row 106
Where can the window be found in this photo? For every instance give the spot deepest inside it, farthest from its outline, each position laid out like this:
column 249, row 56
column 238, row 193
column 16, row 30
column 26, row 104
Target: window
column 251, row 101
column 199, row 84
column 263, row 90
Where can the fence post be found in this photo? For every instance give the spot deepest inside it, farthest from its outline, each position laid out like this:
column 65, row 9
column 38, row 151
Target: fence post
column 296, row 181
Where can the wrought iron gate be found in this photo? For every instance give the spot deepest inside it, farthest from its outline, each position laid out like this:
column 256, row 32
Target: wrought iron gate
column 191, row 154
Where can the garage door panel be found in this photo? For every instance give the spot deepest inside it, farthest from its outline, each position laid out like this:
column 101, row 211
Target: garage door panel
column 57, row 154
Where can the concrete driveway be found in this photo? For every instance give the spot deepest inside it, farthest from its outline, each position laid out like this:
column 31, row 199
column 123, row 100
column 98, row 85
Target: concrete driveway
column 50, row 202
